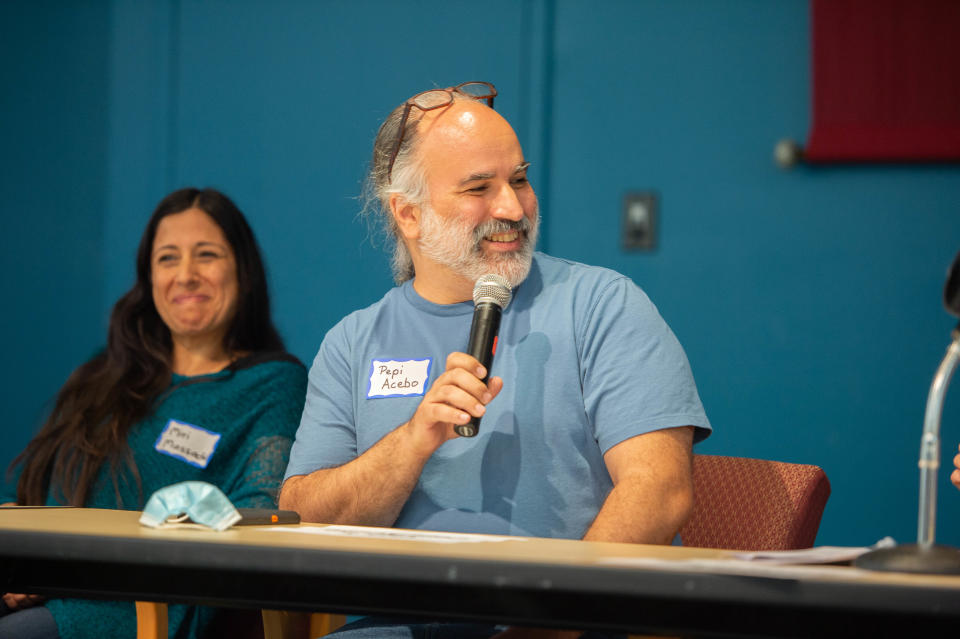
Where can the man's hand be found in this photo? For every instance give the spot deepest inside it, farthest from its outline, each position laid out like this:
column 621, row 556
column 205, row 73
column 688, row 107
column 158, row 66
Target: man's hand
column 955, row 475
column 16, row 601
column 456, row 396
column 372, row 489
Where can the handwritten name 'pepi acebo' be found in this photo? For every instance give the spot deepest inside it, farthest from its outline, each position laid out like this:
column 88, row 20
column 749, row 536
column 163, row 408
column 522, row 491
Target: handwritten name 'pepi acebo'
column 394, row 379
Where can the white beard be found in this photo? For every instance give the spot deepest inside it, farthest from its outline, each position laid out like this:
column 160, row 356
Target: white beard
column 456, row 245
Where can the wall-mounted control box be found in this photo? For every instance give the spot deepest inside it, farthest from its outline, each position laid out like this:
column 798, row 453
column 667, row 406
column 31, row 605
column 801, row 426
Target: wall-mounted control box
column 639, row 227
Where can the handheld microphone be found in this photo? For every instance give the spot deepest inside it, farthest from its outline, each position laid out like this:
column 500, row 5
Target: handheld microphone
column 491, row 294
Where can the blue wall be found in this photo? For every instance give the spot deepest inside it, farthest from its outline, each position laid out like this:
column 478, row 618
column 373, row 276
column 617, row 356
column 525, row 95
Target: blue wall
column 808, row 300
column 53, row 136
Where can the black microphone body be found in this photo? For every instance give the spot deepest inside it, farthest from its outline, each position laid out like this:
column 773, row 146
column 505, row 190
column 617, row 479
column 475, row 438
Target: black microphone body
column 483, row 332
column 483, row 336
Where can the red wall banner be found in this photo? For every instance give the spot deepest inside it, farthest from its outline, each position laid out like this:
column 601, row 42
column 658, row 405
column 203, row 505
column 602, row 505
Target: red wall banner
column 886, row 81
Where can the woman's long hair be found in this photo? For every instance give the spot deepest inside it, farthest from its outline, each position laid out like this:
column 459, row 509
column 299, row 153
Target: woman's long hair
column 106, row 396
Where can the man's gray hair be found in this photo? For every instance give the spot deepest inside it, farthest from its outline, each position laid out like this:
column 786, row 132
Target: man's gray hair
column 408, row 180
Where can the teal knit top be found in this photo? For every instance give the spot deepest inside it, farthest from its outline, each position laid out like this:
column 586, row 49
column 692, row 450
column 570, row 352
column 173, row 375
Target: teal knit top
column 255, row 406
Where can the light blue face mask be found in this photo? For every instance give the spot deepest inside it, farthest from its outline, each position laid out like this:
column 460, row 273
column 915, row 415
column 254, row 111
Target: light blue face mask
column 203, row 503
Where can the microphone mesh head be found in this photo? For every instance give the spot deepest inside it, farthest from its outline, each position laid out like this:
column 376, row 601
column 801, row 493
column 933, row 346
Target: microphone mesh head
column 492, row 288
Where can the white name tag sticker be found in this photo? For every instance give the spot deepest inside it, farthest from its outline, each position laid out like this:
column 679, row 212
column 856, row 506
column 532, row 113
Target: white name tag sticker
column 398, row 378
column 188, row 443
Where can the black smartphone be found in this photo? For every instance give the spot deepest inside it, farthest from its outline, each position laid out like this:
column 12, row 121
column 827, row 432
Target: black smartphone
column 266, row 516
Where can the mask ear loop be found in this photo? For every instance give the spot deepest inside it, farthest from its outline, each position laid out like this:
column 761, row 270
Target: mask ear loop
column 176, row 519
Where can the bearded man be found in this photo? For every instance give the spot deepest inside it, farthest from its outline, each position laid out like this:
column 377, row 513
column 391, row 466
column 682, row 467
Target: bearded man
column 589, row 420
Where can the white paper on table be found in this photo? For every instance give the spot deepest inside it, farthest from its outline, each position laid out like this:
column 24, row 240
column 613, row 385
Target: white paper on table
column 737, row 567
column 395, row 534
column 816, row 555
column 779, row 564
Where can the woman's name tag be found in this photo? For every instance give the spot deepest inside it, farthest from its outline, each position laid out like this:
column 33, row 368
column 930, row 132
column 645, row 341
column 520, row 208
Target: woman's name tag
column 188, row 443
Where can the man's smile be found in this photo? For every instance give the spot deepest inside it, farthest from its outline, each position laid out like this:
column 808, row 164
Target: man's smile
column 509, row 236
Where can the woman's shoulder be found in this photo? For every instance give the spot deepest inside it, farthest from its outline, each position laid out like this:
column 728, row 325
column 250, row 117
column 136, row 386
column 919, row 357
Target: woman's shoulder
column 268, row 365
column 264, row 376
column 269, row 362
column 268, row 388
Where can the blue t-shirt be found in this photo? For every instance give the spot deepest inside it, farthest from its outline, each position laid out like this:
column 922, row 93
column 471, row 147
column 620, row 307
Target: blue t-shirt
column 587, row 363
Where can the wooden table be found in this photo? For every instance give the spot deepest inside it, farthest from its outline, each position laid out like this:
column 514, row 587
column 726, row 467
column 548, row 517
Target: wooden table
column 562, row 583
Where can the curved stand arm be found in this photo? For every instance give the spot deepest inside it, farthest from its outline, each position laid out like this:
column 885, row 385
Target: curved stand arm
column 930, row 444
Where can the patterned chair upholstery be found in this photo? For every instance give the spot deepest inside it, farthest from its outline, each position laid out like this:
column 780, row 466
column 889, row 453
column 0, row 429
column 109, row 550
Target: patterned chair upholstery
column 755, row 504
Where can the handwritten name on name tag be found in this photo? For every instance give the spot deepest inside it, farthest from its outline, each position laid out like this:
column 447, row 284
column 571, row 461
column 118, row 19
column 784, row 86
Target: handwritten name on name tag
column 398, row 378
column 188, row 443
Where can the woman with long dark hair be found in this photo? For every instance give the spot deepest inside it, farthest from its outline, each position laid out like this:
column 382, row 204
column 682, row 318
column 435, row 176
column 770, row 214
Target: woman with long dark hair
column 190, row 347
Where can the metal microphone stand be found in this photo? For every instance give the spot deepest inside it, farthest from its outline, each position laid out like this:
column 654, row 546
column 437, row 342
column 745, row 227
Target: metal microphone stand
column 925, row 556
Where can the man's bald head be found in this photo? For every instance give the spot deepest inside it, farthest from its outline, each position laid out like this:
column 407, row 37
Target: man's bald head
column 407, row 178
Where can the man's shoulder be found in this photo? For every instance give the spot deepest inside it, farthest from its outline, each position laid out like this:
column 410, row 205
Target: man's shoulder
column 559, row 285
column 363, row 316
column 352, row 328
column 558, row 271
